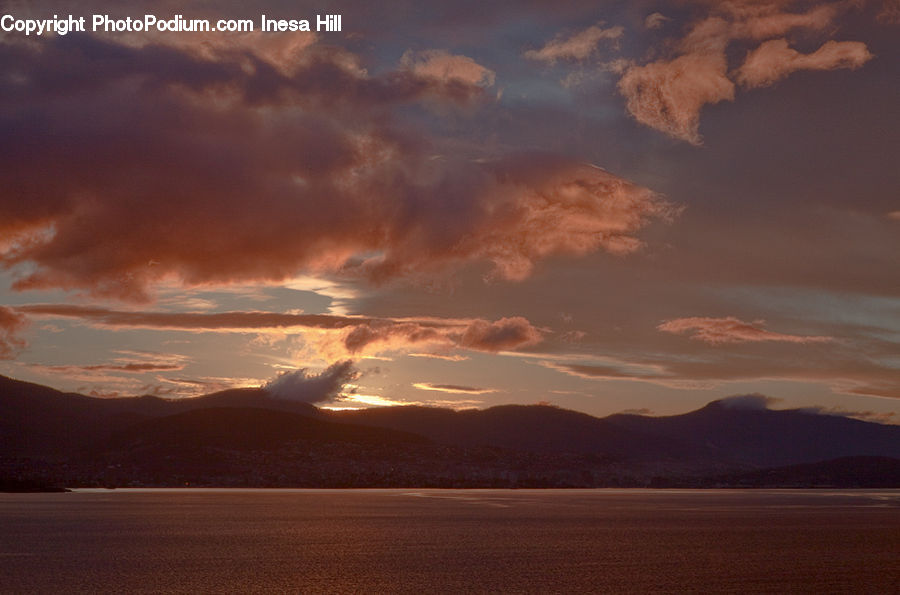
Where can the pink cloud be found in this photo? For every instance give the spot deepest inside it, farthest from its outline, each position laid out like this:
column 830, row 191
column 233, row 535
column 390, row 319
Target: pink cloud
column 768, row 19
column 668, row 95
column 521, row 210
column 774, row 60
column 842, row 367
column 656, row 20
column 576, row 47
column 11, row 324
column 447, row 68
column 669, row 92
column 890, row 13
column 166, row 175
column 716, row 331
column 343, row 336
column 500, row 335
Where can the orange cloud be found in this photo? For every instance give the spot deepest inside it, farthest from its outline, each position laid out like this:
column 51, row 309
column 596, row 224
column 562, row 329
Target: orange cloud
column 576, row 47
column 656, row 20
column 762, row 20
column 774, row 60
column 343, row 335
column 501, row 335
column 447, row 68
column 716, row 331
column 135, row 362
column 336, row 184
column 669, row 93
column 890, row 13
column 11, row 324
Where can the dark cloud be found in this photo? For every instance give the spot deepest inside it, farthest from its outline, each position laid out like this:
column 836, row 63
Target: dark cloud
column 128, row 367
column 506, row 333
column 352, row 335
column 301, row 385
column 453, row 388
column 752, row 402
column 219, row 167
column 849, row 367
column 197, row 321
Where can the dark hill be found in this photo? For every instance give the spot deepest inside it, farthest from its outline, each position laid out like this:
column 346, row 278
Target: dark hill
column 39, row 421
column 534, row 428
column 41, row 426
column 257, row 398
column 36, row 420
column 769, row 438
column 248, row 428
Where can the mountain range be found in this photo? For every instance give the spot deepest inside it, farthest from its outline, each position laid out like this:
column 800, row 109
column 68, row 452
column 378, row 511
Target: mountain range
column 247, row 437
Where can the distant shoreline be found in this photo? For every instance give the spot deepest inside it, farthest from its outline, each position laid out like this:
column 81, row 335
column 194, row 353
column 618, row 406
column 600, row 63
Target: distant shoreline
column 225, row 489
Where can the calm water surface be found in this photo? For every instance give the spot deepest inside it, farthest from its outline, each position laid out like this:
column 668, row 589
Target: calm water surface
column 165, row 541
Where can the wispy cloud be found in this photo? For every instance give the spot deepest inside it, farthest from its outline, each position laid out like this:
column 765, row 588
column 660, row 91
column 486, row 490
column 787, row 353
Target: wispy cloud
column 447, row 68
column 453, row 388
column 844, row 367
column 717, row 331
column 440, row 356
column 132, row 362
column 578, row 46
column 656, row 20
column 343, row 335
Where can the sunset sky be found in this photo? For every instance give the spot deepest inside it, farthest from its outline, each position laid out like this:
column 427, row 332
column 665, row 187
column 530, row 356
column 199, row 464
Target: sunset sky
column 607, row 206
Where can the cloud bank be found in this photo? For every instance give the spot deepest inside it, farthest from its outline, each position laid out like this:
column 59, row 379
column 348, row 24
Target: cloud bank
column 344, row 336
column 159, row 150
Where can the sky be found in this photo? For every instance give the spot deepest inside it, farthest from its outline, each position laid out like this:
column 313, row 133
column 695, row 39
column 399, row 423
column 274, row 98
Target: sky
column 611, row 206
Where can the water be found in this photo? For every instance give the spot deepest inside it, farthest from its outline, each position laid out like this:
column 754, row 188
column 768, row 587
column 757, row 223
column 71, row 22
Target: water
column 164, row 541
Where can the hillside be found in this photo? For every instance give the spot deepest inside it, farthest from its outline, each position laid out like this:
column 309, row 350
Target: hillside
column 246, row 437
